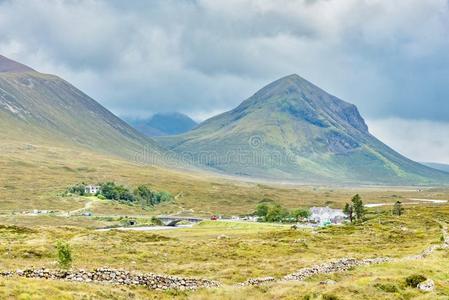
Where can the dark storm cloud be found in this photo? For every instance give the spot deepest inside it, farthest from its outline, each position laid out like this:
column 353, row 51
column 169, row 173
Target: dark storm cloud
column 199, row 57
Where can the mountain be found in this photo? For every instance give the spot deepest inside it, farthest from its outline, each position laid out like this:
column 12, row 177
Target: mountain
column 293, row 130
column 8, row 65
column 163, row 124
column 41, row 108
column 437, row 166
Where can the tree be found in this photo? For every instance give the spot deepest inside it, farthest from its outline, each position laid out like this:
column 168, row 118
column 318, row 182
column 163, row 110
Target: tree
column 165, row 196
column 349, row 211
column 116, row 192
column 145, row 195
column 398, row 210
column 64, row 254
column 109, row 190
column 301, row 213
column 78, row 189
column 261, row 210
column 149, row 197
column 276, row 213
column 358, row 207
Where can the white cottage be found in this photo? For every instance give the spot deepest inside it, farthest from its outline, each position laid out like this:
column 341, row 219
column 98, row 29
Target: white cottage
column 326, row 215
column 92, row 189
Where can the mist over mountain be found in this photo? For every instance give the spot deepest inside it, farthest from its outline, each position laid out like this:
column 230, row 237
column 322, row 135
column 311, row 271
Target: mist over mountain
column 163, row 124
column 292, row 129
column 42, row 108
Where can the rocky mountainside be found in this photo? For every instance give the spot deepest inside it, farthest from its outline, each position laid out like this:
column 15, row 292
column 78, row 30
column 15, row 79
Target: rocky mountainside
column 163, row 124
column 292, row 129
column 41, row 108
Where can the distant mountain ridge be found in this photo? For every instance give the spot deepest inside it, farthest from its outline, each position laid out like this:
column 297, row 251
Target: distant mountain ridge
column 36, row 107
column 163, row 124
column 292, row 129
column 437, row 166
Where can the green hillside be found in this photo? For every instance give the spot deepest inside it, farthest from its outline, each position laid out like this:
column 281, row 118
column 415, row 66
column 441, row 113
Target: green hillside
column 293, row 130
column 41, row 108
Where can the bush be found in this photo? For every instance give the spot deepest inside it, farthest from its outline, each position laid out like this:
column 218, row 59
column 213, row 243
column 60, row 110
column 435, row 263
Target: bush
column 387, row 287
column 112, row 191
column 149, row 197
column 64, row 254
column 276, row 213
column 414, row 280
column 156, row 221
column 329, row 297
column 78, row 189
column 261, row 210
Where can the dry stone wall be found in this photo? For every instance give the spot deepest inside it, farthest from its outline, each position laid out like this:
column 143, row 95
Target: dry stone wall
column 114, row 276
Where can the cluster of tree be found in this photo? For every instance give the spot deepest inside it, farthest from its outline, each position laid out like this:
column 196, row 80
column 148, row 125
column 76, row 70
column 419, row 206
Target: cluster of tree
column 112, row 191
column 147, row 196
column 78, row 189
column 355, row 210
column 274, row 212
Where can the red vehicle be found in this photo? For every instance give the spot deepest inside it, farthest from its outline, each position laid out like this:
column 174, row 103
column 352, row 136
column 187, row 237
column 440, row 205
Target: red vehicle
column 214, row 218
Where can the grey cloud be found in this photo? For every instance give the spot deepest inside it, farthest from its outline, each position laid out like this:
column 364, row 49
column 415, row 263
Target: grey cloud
column 139, row 57
column 417, row 139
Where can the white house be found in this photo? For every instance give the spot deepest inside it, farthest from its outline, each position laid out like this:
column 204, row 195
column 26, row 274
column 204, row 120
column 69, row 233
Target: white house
column 92, row 189
column 326, row 215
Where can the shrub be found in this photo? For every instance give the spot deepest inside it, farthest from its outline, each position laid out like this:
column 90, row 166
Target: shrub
column 261, row 210
column 301, row 214
column 64, row 254
column 149, row 197
column 329, row 297
column 156, row 221
column 387, row 287
column 414, row 280
column 276, row 213
column 78, row 189
column 116, row 192
column 398, row 210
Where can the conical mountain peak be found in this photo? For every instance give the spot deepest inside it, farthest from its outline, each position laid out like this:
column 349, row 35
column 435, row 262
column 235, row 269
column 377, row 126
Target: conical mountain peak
column 293, row 129
column 9, row 65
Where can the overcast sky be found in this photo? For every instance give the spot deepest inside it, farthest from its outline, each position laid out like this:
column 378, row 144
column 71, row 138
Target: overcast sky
column 390, row 58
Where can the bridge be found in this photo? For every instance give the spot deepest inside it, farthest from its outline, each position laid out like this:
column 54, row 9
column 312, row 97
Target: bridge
column 174, row 220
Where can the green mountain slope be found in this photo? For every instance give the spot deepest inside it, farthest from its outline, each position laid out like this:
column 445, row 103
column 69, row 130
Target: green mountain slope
column 293, row 130
column 41, row 108
column 163, row 124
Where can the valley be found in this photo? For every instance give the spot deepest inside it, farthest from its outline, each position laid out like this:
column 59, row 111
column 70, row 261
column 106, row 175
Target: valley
column 60, row 245
column 228, row 252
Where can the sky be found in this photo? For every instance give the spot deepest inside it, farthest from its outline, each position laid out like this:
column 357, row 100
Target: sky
column 202, row 57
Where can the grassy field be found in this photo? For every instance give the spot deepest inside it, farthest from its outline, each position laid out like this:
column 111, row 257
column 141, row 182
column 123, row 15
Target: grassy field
column 35, row 177
column 232, row 252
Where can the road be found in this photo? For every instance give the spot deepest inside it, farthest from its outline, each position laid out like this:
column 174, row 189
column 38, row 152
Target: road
column 416, row 201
